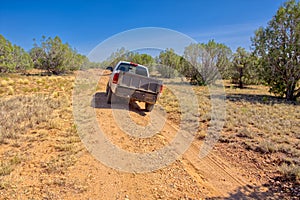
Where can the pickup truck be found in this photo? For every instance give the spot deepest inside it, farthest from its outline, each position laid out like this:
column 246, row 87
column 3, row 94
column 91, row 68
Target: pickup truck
column 131, row 81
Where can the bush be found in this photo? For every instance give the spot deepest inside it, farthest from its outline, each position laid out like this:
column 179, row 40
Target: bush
column 55, row 57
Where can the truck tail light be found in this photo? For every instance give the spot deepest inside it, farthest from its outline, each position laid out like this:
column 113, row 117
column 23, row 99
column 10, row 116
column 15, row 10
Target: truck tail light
column 115, row 78
column 161, row 89
column 133, row 64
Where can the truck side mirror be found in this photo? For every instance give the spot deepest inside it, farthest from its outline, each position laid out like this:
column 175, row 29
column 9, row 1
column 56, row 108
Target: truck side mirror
column 109, row 68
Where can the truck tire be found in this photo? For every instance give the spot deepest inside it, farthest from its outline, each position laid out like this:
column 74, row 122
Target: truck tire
column 106, row 91
column 109, row 95
column 149, row 107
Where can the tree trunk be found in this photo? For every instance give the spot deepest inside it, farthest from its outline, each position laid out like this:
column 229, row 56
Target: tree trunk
column 240, row 78
column 290, row 90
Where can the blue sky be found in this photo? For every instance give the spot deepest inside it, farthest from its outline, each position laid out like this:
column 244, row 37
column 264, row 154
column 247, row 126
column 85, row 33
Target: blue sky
column 85, row 24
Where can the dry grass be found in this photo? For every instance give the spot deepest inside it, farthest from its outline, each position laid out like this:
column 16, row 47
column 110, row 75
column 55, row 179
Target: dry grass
column 58, row 165
column 263, row 124
column 7, row 166
column 12, row 84
column 21, row 113
column 169, row 101
column 291, row 171
column 36, row 133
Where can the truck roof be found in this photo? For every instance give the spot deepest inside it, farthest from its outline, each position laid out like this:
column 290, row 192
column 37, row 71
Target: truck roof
column 131, row 63
column 138, row 69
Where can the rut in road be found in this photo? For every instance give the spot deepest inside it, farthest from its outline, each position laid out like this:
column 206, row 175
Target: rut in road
column 211, row 170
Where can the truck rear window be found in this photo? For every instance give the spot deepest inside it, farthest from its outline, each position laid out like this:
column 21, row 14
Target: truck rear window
column 133, row 69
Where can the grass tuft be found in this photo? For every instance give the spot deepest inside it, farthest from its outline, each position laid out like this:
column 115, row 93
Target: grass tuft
column 245, row 133
column 290, row 171
column 3, row 83
column 6, row 167
column 10, row 90
column 267, row 147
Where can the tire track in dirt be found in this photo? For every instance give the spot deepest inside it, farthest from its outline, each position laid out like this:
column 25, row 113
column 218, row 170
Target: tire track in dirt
column 163, row 182
column 211, row 170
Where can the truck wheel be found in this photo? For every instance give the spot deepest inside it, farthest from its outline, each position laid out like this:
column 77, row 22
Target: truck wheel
column 109, row 94
column 106, row 91
column 149, row 107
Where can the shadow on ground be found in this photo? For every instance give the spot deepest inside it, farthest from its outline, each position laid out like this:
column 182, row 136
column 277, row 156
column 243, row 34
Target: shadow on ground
column 263, row 99
column 236, row 87
column 277, row 188
column 99, row 101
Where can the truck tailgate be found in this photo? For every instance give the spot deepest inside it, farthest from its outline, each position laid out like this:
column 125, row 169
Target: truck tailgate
column 139, row 82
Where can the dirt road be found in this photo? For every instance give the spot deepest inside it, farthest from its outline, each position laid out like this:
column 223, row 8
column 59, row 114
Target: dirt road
column 189, row 177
